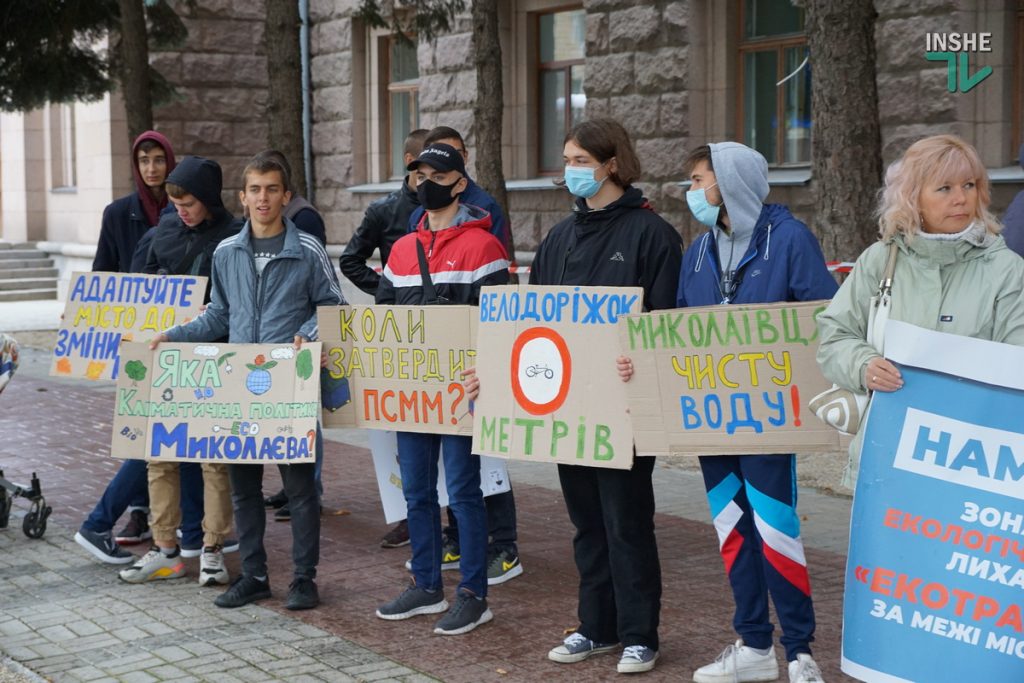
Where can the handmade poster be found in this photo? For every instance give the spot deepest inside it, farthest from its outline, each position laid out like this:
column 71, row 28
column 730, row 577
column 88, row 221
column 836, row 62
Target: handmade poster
column 935, row 571
column 723, row 380
column 105, row 308
column 398, row 367
column 384, row 447
column 226, row 403
column 549, row 388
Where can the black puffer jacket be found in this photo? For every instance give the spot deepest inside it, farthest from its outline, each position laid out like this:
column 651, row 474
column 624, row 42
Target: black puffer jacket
column 625, row 244
column 385, row 222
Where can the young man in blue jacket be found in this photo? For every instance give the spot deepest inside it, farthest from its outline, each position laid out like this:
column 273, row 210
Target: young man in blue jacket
column 753, row 253
column 268, row 281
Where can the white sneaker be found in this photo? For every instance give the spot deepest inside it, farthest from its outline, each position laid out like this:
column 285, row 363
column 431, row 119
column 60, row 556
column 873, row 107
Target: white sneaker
column 739, row 664
column 804, row 669
column 211, row 567
column 153, row 566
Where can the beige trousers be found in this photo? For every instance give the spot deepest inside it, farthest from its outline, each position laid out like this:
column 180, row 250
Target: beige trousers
column 165, row 503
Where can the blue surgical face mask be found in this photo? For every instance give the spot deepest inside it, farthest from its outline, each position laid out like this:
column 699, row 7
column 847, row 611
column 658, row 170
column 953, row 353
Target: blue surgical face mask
column 580, row 181
column 702, row 210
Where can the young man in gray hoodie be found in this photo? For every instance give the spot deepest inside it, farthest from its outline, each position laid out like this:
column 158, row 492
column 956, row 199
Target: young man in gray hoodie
column 267, row 284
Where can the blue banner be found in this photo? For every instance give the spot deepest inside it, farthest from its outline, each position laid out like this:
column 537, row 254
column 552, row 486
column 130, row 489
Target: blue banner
column 935, row 572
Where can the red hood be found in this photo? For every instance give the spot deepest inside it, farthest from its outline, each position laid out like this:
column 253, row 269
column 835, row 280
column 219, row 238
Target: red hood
column 150, row 206
column 481, row 220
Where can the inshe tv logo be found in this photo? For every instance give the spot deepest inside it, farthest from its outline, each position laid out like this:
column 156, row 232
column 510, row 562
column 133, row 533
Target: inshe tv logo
column 955, row 49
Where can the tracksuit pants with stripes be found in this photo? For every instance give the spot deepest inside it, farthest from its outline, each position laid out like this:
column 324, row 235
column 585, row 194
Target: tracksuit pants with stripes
column 753, row 506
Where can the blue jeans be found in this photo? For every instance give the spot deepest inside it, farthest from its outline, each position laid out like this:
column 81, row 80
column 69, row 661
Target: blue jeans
column 417, row 459
column 130, row 488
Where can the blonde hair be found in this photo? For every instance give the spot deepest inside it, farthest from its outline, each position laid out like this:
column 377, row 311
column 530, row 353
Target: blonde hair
column 935, row 158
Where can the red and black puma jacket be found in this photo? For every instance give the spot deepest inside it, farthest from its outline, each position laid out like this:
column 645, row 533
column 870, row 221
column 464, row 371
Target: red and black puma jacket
column 461, row 260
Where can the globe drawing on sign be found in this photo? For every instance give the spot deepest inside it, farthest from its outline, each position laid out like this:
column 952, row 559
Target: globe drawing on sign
column 258, row 379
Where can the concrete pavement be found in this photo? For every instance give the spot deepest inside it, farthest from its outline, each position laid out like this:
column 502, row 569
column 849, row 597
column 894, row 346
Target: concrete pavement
column 68, row 618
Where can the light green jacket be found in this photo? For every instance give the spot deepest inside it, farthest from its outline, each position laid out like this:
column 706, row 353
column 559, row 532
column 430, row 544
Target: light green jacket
column 972, row 287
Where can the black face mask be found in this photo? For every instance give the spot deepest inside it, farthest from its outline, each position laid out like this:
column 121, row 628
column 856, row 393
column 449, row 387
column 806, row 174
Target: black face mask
column 434, row 196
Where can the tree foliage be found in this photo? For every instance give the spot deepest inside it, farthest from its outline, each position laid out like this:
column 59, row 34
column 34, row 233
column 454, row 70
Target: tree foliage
column 425, row 18
column 58, row 50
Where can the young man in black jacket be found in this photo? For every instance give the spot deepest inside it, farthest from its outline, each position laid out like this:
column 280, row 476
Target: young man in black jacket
column 386, row 220
column 127, row 219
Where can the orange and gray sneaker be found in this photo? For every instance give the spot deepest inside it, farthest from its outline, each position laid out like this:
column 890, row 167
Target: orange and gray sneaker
column 154, row 566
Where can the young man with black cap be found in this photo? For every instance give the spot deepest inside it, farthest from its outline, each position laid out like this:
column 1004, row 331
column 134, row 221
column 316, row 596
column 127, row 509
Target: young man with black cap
column 453, row 244
column 183, row 244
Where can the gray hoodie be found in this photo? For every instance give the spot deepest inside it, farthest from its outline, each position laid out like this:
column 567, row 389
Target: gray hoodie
column 742, row 176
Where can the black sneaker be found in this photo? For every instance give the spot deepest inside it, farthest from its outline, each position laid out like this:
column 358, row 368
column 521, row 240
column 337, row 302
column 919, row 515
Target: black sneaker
column 466, row 614
column 103, row 547
column 302, row 594
column 284, row 514
column 397, row 536
column 413, row 600
column 503, row 565
column 136, row 530
column 244, row 590
column 279, row 499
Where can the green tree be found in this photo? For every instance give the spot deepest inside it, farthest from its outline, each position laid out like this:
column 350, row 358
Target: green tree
column 304, row 364
column 136, row 370
column 51, row 51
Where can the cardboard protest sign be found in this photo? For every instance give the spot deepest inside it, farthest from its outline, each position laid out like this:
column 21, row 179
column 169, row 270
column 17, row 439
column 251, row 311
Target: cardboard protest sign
column 226, row 403
column 549, row 388
column 722, row 380
column 935, row 571
column 398, row 367
column 104, row 308
column 384, row 447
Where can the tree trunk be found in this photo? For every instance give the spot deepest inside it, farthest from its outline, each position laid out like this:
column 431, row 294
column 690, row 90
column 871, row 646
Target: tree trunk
column 284, row 78
column 487, row 111
column 138, row 101
column 846, row 142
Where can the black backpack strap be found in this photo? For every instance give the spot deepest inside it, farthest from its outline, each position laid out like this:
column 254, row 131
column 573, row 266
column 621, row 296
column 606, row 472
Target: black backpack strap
column 185, row 264
column 429, row 292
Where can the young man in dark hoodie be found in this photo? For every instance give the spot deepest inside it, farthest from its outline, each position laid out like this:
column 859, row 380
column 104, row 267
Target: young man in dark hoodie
column 453, row 240
column 127, row 219
column 183, row 243
column 125, row 222
column 292, row 274
column 752, row 253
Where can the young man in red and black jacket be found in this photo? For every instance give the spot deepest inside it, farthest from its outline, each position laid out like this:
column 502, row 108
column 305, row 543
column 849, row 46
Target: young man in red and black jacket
column 461, row 255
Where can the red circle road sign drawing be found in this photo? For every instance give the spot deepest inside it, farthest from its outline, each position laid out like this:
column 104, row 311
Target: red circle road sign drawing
column 541, row 370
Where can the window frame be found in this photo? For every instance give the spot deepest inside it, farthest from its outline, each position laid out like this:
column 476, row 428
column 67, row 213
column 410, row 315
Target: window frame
column 1018, row 78
column 563, row 65
column 386, row 90
column 779, row 44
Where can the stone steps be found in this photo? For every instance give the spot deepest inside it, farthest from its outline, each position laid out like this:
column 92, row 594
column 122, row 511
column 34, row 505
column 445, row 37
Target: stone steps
column 26, row 274
column 28, row 294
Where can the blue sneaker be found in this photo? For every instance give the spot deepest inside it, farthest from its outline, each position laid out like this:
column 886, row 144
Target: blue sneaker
column 577, row 647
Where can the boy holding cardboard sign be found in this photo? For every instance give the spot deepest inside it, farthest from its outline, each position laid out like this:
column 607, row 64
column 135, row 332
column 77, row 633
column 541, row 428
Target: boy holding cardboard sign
column 267, row 283
column 446, row 261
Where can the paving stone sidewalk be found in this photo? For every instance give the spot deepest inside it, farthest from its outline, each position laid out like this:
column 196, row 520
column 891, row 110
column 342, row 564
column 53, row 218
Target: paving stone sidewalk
column 67, row 617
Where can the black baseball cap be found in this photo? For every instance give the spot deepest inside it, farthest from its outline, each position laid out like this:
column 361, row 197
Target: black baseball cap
column 440, row 156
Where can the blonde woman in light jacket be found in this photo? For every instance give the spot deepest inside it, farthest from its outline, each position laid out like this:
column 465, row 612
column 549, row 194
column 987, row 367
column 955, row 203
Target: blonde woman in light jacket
column 954, row 273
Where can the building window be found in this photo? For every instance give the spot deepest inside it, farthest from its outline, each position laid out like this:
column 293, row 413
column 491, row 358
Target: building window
column 562, row 48
column 775, row 81
column 402, row 107
column 62, row 146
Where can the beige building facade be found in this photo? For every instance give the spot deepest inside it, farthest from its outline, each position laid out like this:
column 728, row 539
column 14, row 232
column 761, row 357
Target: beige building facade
column 677, row 73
